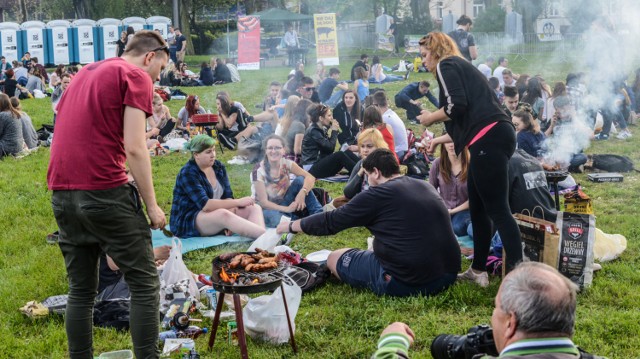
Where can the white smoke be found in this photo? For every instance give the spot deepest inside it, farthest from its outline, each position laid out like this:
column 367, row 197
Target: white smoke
column 606, row 54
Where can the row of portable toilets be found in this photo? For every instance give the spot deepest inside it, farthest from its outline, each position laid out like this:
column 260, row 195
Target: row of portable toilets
column 64, row 42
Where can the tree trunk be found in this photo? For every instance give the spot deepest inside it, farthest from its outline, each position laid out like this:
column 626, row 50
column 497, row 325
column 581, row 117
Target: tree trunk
column 83, row 9
column 185, row 23
column 23, row 10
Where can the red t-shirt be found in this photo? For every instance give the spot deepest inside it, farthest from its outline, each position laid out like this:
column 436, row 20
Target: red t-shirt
column 87, row 152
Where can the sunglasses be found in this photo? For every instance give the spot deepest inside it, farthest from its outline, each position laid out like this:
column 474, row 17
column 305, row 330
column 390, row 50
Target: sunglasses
column 308, row 88
column 164, row 48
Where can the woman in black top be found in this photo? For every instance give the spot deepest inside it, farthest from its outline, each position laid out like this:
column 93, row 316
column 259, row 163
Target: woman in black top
column 473, row 118
column 348, row 113
column 121, row 43
column 319, row 144
column 10, row 83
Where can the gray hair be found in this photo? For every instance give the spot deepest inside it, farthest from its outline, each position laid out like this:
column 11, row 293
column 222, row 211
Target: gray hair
column 540, row 306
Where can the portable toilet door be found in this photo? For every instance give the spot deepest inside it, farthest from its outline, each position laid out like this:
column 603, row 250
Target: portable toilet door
column 159, row 23
column 10, row 41
column 84, row 33
column 59, row 43
column 108, row 36
column 137, row 23
column 33, row 39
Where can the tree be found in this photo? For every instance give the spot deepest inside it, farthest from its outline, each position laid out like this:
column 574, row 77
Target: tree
column 530, row 10
column 490, row 20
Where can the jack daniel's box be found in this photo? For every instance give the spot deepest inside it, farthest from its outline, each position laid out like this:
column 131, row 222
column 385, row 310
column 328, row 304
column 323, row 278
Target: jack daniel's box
column 605, row 177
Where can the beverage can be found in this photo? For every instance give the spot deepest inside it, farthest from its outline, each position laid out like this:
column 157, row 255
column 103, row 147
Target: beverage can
column 212, row 297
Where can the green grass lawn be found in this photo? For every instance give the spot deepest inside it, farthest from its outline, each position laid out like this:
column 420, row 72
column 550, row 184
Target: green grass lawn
column 335, row 321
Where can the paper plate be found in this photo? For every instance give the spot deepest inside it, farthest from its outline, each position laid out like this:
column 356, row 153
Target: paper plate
column 319, row 256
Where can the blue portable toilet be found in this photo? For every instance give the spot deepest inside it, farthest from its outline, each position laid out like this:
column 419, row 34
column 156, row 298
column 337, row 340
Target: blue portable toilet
column 33, row 39
column 85, row 46
column 108, row 36
column 137, row 23
column 59, row 43
column 159, row 23
column 10, row 41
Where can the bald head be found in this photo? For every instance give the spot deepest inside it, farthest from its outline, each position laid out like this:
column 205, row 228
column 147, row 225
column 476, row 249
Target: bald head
column 542, row 300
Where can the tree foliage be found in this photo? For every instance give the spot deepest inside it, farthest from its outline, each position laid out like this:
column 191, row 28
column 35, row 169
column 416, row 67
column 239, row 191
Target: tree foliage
column 490, row 20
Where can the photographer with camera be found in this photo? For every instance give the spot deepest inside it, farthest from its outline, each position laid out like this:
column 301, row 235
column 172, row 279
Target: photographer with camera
column 533, row 318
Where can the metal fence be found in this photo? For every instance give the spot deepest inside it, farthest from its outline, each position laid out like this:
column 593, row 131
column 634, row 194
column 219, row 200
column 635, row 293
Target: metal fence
column 525, row 45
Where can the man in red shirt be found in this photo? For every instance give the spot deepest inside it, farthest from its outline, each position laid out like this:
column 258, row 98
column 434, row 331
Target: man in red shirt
column 100, row 125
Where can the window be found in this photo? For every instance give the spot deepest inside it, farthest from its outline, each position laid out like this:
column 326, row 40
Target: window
column 439, row 8
column 554, row 8
column 478, row 7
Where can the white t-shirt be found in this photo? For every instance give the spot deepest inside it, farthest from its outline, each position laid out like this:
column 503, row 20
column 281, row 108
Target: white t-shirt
column 399, row 130
column 486, row 70
column 498, row 73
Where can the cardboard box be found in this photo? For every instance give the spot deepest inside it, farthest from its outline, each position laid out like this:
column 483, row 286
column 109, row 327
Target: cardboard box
column 605, row 177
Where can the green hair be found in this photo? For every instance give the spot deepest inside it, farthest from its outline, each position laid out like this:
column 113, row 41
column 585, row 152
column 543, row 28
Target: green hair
column 199, row 144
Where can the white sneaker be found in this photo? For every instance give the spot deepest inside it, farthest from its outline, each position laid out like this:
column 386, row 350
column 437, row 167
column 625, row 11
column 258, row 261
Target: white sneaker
column 481, row 279
column 621, row 135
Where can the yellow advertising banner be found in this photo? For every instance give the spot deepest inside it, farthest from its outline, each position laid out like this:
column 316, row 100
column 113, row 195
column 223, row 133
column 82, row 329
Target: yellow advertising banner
column 326, row 38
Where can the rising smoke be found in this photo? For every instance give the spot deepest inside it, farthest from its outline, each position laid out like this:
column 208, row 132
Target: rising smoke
column 606, row 56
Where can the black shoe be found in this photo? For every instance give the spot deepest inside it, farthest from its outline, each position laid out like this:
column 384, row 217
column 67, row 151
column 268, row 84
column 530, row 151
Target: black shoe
column 601, row 137
column 228, row 142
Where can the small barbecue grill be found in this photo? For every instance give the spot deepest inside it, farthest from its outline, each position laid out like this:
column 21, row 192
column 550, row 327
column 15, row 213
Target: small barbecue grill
column 553, row 177
column 267, row 281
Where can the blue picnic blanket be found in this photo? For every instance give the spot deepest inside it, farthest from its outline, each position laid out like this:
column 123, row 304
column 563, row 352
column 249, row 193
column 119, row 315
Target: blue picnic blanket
column 190, row 244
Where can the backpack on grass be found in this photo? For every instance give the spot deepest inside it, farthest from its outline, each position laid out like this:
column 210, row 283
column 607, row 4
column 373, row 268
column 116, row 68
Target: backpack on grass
column 612, row 163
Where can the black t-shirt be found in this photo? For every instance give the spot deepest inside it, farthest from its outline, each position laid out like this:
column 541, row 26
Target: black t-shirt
column 358, row 63
column 464, row 40
column 528, row 187
column 222, row 74
column 10, row 86
column 414, row 240
column 121, row 46
column 179, row 40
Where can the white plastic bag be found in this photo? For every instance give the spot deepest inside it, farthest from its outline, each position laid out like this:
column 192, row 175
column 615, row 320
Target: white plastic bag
column 267, row 241
column 265, row 318
column 176, row 275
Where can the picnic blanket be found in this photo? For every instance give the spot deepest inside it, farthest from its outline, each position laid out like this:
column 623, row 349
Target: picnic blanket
column 335, row 179
column 190, row 244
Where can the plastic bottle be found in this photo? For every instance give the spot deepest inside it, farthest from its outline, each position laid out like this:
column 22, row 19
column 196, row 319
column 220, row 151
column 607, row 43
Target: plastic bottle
column 213, row 298
column 192, row 331
column 232, row 333
column 169, row 334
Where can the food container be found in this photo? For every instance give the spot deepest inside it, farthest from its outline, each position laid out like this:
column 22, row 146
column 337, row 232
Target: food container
column 319, row 257
column 118, row 354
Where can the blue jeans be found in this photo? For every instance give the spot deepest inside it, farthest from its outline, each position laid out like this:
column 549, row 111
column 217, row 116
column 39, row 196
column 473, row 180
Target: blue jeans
column 272, row 216
column 334, row 99
column 172, row 54
column 362, row 269
column 461, row 223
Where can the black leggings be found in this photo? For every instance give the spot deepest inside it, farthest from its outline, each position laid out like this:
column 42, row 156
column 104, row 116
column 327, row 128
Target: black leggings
column 332, row 164
column 488, row 186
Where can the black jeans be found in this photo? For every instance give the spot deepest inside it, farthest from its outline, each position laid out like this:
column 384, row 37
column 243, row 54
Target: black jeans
column 488, row 186
column 112, row 221
column 412, row 110
column 332, row 164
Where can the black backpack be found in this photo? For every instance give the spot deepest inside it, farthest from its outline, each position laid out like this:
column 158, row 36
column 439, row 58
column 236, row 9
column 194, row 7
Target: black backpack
column 612, row 163
column 323, row 196
column 417, row 166
column 308, row 275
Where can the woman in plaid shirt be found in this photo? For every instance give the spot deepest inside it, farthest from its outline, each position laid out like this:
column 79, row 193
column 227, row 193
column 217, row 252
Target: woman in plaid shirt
column 203, row 203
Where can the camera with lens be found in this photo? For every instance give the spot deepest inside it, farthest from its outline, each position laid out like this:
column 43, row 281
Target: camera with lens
column 479, row 340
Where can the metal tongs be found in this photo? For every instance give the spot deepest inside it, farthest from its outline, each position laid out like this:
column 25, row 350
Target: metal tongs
column 167, row 232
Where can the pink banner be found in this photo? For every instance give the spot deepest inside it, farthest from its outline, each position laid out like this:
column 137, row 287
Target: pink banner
column 248, row 43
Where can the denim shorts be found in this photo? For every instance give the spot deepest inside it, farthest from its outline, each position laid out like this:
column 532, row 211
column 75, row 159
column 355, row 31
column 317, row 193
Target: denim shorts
column 362, row 269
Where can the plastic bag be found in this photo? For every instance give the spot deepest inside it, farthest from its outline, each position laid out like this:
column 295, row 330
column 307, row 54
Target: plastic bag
column 176, row 281
column 608, row 246
column 267, row 241
column 265, row 318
